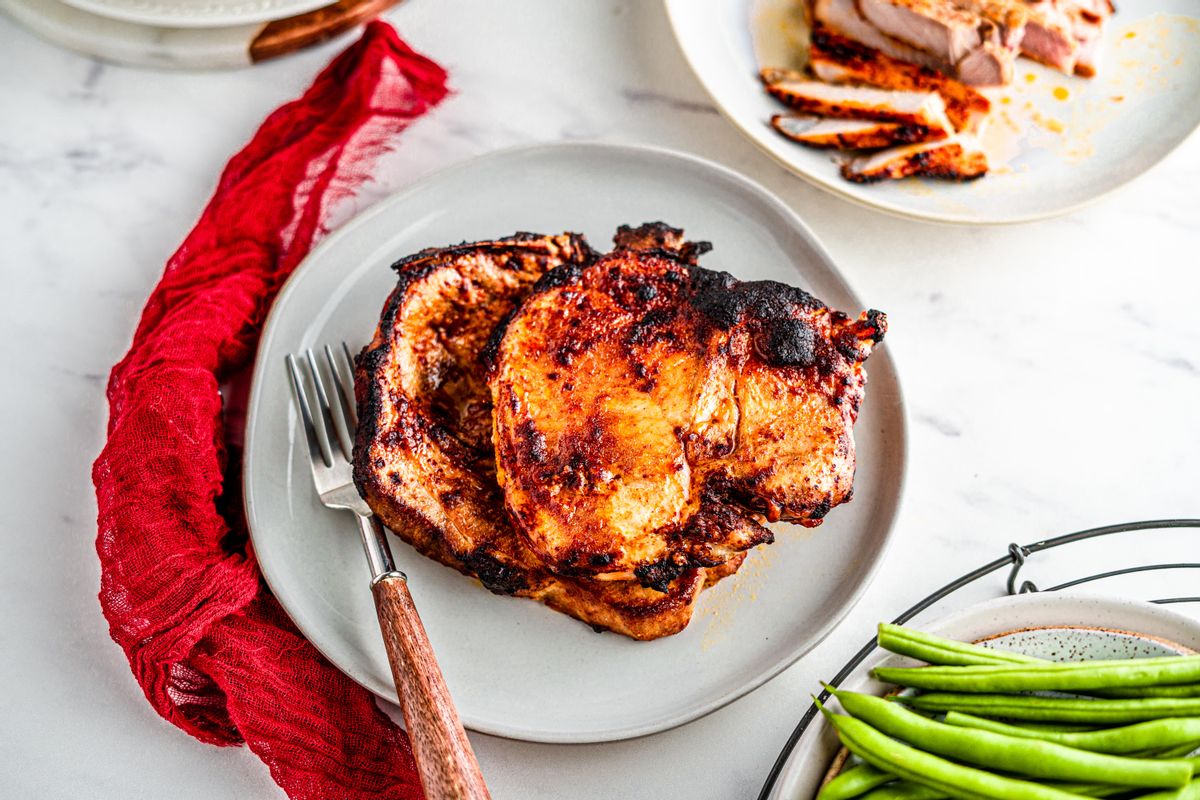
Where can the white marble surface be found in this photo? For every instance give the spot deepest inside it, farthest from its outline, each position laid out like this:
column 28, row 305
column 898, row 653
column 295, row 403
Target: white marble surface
column 1052, row 370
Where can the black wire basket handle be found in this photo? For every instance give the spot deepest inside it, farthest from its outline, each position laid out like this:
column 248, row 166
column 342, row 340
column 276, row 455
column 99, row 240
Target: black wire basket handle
column 1014, row 559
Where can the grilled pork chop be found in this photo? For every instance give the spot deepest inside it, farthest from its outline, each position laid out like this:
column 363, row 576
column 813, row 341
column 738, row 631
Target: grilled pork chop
column 423, row 454
column 650, row 414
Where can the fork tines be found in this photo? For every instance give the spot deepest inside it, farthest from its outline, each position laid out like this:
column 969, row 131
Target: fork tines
column 332, row 420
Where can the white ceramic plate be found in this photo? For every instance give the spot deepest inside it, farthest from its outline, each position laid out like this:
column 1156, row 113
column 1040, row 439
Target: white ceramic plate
column 127, row 42
column 197, row 13
column 516, row 668
column 1050, row 155
column 1051, row 625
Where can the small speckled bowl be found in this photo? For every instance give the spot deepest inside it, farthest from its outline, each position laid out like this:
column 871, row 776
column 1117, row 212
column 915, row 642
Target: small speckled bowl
column 1060, row 627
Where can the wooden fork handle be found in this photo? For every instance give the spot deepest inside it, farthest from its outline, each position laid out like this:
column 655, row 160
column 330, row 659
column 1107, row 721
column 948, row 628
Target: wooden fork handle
column 444, row 757
column 304, row 30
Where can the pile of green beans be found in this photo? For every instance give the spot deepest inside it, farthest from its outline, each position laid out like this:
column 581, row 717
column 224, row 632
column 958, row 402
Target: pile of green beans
column 1037, row 758
column 903, row 761
column 981, row 726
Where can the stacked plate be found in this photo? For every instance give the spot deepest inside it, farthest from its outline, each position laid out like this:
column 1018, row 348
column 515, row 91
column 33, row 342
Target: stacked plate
column 190, row 34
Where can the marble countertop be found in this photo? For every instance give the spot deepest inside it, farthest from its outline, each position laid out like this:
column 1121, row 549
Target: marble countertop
column 1052, row 370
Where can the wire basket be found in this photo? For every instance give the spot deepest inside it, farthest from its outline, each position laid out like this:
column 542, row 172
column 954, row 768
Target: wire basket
column 1015, row 560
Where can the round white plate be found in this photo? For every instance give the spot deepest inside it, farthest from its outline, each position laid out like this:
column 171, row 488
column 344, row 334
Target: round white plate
column 516, row 668
column 197, row 13
column 1049, row 155
column 1050, row 625
column 133, row 43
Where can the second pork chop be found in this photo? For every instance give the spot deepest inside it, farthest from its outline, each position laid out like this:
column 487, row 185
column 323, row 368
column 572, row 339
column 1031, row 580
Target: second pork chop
column 649, row 414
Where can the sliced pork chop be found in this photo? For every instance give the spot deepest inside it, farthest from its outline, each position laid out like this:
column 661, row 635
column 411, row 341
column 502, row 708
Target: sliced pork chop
column 849, row 134
column 958, row 159
column 836, row 59
column 975, row 41
column 925, row 109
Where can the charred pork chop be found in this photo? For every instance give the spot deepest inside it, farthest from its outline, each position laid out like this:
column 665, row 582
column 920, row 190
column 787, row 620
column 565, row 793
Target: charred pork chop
column 424, row 456
column 651, row 414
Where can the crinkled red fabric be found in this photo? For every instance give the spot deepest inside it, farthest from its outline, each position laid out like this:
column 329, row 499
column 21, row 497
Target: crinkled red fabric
column 208, row 643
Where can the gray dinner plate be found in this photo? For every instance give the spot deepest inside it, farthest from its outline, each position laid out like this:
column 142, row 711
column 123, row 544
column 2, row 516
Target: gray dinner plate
column 517, row 669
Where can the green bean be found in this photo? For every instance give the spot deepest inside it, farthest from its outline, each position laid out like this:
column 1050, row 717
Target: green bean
column 1093, row 789
column 1056, row 727
column 1189, row 792
column 853, row 782
column 1183, row 751
column 1033, row 757
column 903, row 790
column 1049, row 676
column 1158, row 734
column 1056, row 709
column 1183, row 690
column 939, row 650
column 968, row 783
column 1157, row 752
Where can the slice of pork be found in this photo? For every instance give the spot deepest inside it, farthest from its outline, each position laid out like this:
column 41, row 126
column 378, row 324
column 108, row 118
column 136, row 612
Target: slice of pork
column 925, row 109
column 836, row 59
column 959, row 159
column 1066, row 34
column 1050, row 36
column 1088, row 62
column 849, row 134
column 935, row 27
column 990, row 65
column 842, row 17
column 1090, row 17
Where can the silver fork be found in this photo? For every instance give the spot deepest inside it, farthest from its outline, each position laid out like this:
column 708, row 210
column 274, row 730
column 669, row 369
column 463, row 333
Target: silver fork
column 445, row 761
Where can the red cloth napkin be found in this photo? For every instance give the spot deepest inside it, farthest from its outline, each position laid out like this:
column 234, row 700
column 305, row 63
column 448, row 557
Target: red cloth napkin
column 208, row 643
